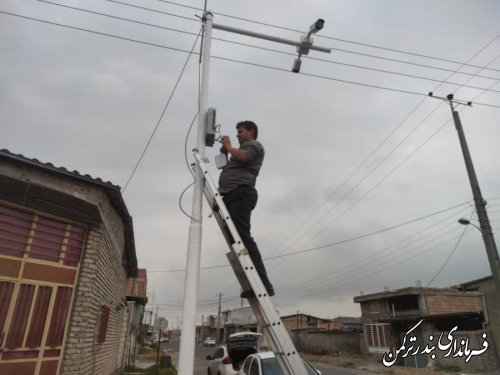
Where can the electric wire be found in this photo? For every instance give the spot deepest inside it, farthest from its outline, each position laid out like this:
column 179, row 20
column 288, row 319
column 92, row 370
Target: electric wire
column 161, row 116
column 333, row 48
column 282, row 52
column 154, row 10
column 12, row 14
column 336, row 39
column 333, row 243
column 450, row 255
column 231, row 60
column 370, row 269
column 297, row 230
column 385, row 252
column 362, row 275
column 278, row 51
column 274, row 50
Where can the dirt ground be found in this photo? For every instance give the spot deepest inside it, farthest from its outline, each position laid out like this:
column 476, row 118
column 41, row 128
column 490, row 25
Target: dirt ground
column 374, row 364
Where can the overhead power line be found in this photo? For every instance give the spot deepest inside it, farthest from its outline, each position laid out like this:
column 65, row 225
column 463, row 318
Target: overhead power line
column 338, row 242
column 278, row 51
column 153, row 10
column 333, row 48
column 231, row 60
column 336, row 39
column 162, row 114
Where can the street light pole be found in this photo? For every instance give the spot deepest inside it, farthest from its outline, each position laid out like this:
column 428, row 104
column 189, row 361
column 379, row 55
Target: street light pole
column 188, row 333
column 484, row 222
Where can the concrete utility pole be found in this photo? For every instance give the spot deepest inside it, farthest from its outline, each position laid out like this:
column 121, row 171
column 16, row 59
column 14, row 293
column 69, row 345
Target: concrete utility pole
column 480, row 203
column 493, row 297
column 188, row 333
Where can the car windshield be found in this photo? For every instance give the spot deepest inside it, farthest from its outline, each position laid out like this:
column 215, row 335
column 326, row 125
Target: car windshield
column 270, row 366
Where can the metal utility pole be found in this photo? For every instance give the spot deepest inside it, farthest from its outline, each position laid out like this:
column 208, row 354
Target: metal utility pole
column 484, row 222
column 218, row 320
column 188, row 333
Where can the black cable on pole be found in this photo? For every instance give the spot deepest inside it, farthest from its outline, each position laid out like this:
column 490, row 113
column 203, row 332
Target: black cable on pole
column 162, row 114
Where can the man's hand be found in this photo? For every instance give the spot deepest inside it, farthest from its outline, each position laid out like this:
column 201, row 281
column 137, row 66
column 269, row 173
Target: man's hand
column 226, row 144
column 227, row 148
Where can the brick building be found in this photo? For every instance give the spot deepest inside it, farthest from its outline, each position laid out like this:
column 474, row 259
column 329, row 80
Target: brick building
column 387, row 317
column 136, row 302
column 302, row 321
column 66, row 253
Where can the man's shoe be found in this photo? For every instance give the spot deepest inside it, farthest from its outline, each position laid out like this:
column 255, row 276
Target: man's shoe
column 250, row 293
column 247, row 294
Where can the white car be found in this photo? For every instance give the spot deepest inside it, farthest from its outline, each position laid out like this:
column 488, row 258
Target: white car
column 209, row 341
column 265, row 363
column 227, row 359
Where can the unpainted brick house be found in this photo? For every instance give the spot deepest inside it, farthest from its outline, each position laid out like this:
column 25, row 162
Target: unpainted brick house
column 302, row 321
column 387, row 316
column 136, row 302
column 66, row 253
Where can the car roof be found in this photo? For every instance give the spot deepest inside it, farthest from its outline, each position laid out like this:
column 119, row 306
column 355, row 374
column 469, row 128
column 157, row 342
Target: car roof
column 248, row 333
column 264, row 355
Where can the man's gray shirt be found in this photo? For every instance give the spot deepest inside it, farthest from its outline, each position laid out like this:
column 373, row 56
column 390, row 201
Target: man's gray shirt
column 237, row 173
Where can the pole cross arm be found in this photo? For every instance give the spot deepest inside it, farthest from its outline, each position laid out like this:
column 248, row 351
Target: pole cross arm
column 269, row 37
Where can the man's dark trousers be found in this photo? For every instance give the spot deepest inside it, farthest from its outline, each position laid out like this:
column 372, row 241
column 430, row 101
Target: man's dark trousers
column 240, row 202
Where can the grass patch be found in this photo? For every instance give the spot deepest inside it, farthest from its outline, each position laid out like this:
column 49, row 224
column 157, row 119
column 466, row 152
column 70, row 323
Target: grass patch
column 449, row 368
column 348, row 364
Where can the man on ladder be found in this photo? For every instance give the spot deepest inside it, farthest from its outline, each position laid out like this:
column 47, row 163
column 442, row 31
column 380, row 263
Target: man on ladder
column 237, row 186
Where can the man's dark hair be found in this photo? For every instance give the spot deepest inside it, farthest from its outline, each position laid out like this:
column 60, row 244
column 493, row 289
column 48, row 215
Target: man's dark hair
column 250, row 126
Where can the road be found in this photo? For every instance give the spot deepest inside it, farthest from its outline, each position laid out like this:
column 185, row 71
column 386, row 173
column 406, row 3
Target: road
column 201, row 352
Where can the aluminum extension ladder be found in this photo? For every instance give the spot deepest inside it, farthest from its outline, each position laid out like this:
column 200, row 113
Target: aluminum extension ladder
column 262, row 305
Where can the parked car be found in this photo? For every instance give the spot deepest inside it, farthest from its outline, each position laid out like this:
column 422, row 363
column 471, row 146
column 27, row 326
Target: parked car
column 227, row 359
column 209, row 341
column 162, row 338
column 265, row 363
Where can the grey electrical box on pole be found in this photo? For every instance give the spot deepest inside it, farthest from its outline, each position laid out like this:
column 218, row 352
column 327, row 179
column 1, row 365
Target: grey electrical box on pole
column 211, row 128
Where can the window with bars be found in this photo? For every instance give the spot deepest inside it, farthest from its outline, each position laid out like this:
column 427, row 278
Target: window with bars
column 379, row 335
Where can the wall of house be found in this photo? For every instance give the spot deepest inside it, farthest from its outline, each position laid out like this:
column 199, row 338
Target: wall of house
column 492, row 302
column 102, row 281
column 486, row 362
column 445, row 304
column 325, row 342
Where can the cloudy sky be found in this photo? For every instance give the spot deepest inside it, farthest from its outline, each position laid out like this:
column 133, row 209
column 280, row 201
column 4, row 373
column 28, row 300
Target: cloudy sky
column 364, row 179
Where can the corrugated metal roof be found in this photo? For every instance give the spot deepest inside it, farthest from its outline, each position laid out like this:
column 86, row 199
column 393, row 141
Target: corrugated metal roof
column 51, row 167
column 113, row 192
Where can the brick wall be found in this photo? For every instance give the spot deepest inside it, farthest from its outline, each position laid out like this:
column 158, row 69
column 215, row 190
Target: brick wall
column 486, row 362
column 102, row 280
column 443, row 304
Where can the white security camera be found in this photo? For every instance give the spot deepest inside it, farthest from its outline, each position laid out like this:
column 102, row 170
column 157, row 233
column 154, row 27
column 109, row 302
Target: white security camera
column 317, row 26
